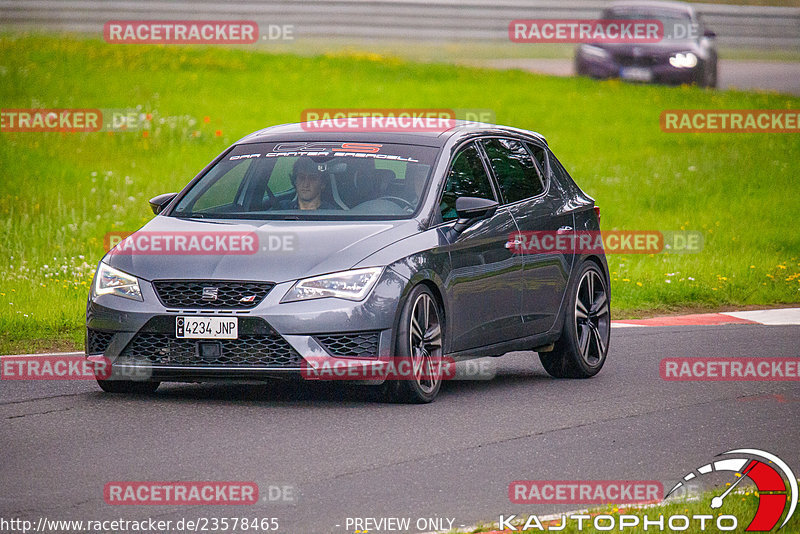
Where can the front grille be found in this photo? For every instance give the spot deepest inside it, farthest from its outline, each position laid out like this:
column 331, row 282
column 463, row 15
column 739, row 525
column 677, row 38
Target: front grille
column 97, row 341
column 364, row 344
column 228, row 294
column 626, row 60
column 247, row 351
column 258, row 345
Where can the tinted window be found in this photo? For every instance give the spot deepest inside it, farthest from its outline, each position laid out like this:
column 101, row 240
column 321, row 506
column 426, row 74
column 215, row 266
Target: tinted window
column 514, row 168
column 559, row 171
column 540, row 156
column 222, row 191
column 678, row 24
column 467, row 178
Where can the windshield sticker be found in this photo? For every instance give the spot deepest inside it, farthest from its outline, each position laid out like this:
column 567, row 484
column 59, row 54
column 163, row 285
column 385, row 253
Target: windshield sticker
column 325, row 148
column 333, row 150
column 244, row 156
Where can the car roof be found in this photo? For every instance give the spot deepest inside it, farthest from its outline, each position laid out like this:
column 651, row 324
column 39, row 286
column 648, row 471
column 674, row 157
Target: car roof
column 650, row 4
column 311, row 131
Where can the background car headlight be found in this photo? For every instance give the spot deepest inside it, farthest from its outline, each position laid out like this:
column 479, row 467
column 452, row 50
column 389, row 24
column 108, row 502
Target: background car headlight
column 109, row 280
column 594, row 52
column 350, row 285
column 683, row 60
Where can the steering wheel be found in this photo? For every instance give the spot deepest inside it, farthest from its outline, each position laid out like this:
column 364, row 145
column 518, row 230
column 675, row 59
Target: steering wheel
column 402, row 202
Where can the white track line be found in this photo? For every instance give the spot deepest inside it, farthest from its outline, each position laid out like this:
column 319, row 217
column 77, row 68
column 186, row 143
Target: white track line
column 774, row 317
column 769, row 317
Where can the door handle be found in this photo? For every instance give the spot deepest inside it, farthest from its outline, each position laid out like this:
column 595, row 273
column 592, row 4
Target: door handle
column 517, row 241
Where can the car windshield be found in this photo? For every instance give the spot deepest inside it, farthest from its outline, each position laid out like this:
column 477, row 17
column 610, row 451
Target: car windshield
column 665, row 16
column 312, row 180
column 678, row 25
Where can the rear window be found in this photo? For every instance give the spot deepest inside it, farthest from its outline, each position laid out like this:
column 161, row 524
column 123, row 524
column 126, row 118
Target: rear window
column 297, row 180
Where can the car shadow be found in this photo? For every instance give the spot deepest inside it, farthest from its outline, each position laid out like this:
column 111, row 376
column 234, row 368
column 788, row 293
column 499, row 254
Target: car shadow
column 302, row 392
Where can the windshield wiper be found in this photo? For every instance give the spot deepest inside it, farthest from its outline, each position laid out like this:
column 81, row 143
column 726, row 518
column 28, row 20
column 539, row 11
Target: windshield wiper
column 191, row 215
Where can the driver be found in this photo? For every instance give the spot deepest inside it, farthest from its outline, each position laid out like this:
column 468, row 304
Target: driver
column 309, row 184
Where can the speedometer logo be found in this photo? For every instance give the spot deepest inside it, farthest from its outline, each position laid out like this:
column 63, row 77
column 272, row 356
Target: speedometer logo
column 770, row 475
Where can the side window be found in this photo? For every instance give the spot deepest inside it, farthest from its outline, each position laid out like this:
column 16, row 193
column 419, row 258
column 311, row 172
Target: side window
column 540, row 156
column 397, row 167
column 223, row 190
column 467, row 178
column 279, row 180
column 514, row 168
column 559, row 171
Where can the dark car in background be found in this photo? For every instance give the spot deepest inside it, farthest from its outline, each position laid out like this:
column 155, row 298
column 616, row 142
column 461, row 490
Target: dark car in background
column 686, row 55
column 408, row 251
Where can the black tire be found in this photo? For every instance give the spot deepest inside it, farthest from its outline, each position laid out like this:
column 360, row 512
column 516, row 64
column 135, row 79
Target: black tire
column 128, row 387
column 420, row 331
column 577, row 67
column 708, row 75
column 712, row 77
column 581, row 350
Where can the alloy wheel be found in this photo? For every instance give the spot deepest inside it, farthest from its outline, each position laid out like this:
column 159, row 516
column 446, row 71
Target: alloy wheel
column 592, row 315
column 425, row 339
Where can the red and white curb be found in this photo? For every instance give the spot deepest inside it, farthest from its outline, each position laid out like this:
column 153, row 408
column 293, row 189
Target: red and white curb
column 785, row 316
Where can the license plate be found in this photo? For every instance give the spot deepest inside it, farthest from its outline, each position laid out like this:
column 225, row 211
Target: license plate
column 636, row 74
column 207, row 327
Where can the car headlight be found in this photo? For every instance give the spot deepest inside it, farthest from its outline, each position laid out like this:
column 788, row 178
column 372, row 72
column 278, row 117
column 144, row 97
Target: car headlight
column 109, row 280
column 685, row 60
column 594, row 52
column 350, row 285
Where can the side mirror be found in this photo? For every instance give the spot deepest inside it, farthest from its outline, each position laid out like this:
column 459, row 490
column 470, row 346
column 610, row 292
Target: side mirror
column 160, row 202
column 470, row 209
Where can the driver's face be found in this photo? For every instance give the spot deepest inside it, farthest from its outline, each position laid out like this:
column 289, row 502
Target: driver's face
column 309, row 186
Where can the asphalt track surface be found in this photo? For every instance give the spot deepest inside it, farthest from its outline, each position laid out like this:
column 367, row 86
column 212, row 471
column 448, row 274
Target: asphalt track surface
column 349, row 456
column 777, row 76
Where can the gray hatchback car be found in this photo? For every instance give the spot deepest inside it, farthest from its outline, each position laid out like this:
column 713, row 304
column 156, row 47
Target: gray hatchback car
column 297, row 250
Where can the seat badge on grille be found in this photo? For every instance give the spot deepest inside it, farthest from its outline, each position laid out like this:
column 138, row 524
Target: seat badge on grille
column 248, row 299
column 210, row 293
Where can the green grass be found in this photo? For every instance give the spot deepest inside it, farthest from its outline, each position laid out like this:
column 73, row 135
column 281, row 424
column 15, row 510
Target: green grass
column 462, row 51
column 742, row 504
column 61, row 193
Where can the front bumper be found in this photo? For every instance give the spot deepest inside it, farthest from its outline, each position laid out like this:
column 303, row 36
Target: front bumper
column 661, row 72
column 275, row 339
